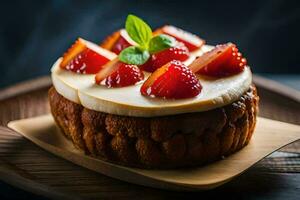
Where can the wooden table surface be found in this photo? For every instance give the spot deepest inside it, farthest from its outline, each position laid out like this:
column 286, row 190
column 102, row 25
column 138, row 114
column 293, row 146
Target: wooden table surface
column 275, row 177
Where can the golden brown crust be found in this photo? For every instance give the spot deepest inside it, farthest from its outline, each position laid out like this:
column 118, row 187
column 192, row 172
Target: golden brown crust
column 67, row 115
column 158, row 142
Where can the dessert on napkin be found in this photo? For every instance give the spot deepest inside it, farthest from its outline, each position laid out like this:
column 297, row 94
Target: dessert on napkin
column 160, row 99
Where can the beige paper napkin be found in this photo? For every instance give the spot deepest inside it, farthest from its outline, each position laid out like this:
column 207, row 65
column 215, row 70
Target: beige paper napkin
column 269, row 136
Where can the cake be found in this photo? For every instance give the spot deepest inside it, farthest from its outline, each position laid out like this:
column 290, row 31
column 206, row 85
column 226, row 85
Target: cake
column 160, row 99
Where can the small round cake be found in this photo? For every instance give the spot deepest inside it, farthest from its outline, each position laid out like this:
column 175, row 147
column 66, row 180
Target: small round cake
column 161, row 101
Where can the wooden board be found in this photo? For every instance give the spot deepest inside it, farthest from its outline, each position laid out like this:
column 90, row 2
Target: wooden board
column 43, row 131
column 29, row 167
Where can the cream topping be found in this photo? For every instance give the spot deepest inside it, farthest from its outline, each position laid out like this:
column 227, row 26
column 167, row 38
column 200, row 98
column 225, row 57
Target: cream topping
column 128, row 101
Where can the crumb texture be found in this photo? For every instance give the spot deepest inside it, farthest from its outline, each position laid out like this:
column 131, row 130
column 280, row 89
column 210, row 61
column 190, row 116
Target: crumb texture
column 174, row 141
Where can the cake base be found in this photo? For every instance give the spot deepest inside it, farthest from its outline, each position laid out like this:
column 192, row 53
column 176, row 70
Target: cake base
column 173, row 141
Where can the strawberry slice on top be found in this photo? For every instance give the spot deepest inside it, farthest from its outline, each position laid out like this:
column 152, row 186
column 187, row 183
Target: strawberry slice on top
column 191, row 41
column 118, row 41
column 119, row 74
column 122, row 42
column 85, row 57
column 223, row 60
column 179, row 52
column 172, row 81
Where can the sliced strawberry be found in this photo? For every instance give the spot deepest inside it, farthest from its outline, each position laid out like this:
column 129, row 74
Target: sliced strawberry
column 122, row 42
column 73, row 51
column 178, row 52
column 118, row 74
column 110, row 40
column 191, row 41
column 223, row 60
column 107, row 70
column 125, row 75
column 172, row 81
column 87, row 62
column 85, row 57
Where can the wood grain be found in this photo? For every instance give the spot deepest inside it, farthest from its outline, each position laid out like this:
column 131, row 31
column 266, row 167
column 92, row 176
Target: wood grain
column 45, row 174
column 43, row 131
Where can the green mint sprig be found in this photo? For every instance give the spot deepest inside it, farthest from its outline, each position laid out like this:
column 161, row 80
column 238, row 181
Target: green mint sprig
column 161, row 42
column 140, row 32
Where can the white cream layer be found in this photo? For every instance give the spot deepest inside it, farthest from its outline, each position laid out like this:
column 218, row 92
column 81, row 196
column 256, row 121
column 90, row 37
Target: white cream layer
column 128, row 101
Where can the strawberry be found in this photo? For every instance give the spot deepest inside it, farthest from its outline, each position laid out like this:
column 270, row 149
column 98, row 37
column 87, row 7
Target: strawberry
column 73, row 51
column 87, row 62
column 174, row 80
column 178, row 52
column 125, row 75
column 118, row 74
column 223, row 60
column 191, row 41
column 122, row 42
column 85, row 57
column 107, row 70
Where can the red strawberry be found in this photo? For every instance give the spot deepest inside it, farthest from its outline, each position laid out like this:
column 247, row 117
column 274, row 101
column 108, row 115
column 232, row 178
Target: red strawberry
column 122, row 42
column 85, row 57
column 73, row 51
column 223, row 60
column 118, row 74
column 191, row 41
column 87, row 62
column 172, row 81
column 178, row 52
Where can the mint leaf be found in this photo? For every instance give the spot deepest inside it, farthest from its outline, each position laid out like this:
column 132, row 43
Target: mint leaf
column 138, row 30
column 161, row 42
column 134, row 55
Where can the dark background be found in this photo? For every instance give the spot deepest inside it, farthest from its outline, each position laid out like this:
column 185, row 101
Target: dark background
column 34, row 33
